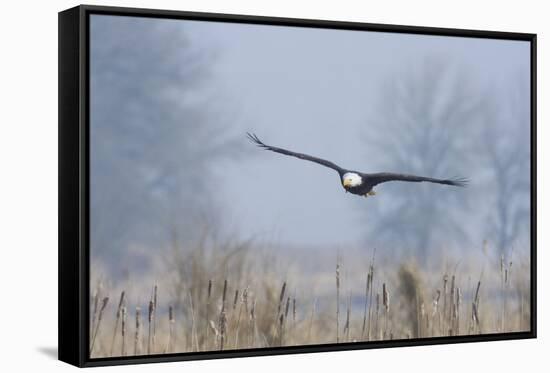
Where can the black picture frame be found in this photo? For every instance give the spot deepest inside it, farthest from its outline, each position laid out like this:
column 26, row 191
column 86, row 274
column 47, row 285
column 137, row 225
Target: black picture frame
column 74, row 188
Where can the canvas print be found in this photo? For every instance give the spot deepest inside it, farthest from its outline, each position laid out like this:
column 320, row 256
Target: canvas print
column 261, row 186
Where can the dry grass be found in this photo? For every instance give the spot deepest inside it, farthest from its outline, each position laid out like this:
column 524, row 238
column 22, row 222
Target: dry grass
column 222, row 300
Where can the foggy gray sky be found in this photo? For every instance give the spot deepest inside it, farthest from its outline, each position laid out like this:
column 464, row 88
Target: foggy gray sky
column 312, row 90
column 315, row 91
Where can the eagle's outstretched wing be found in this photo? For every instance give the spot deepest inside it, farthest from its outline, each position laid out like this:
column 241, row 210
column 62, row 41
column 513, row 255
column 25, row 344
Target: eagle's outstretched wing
column 382, row 177
column 306, row 157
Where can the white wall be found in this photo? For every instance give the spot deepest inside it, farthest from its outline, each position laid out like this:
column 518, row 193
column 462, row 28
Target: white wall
column 28, row 193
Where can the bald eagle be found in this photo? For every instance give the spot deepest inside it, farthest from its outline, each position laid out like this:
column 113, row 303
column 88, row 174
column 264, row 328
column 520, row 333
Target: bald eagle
column 356, row 182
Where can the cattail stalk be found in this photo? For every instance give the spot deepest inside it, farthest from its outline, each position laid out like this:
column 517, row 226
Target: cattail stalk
column 421, row 326
column 95, row 301
column 435, row 312
column 376, row 326
column 363, row 328
column 451, row 302
column 235, row 299
column 457, row 312
column 386, row 304
column 171, row 322
column 503, row 292
column 118, row 315
column 293, row 313
column 99, row 317
column 253, row 323
column 445, row 281
column 337, row 302
column 348, row 315
column 207, row 313
column 371, row 271
column 281, row 298
column 137, row 337
column 222, row 323
column 475, row 309
column 194, row 337
column 238, row 322
column 150, row 325
column 282, row 322
column 155, row 305
column 123, row 330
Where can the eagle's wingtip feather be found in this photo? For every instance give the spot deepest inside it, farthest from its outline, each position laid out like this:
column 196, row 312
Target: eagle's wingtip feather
column 460, row 181
column 252, row 137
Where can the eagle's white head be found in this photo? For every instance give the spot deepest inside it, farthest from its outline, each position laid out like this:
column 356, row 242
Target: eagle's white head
column 351, row 179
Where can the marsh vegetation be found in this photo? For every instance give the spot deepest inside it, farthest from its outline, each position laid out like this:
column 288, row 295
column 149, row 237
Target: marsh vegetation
column 224, row 298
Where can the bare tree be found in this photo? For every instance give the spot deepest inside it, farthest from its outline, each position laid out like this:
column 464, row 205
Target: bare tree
column 420, row 126
column 154, row 134
column 505, row 139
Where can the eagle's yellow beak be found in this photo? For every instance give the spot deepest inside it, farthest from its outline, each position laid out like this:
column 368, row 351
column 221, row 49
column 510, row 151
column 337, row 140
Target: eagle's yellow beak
column 347, row 182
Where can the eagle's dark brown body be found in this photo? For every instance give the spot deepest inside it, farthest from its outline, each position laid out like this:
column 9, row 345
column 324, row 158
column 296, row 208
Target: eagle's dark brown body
column 362, row 189
column 367, row 181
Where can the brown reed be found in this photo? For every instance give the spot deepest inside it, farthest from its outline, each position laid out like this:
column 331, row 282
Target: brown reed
column 337, row 302
column 150, row 325
column 207, row 312
column 222, row 322
column 194, row 337
column 370, row 283
column 445, row 283
column 99, row 318
column 118, row 315
column 252, row 326
column 123, row 331
column 171, row 322
column 137, row 337
column 244, row 296
column 347, row 326
column 386, row 304
column 281, row 298
column 155, row 305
